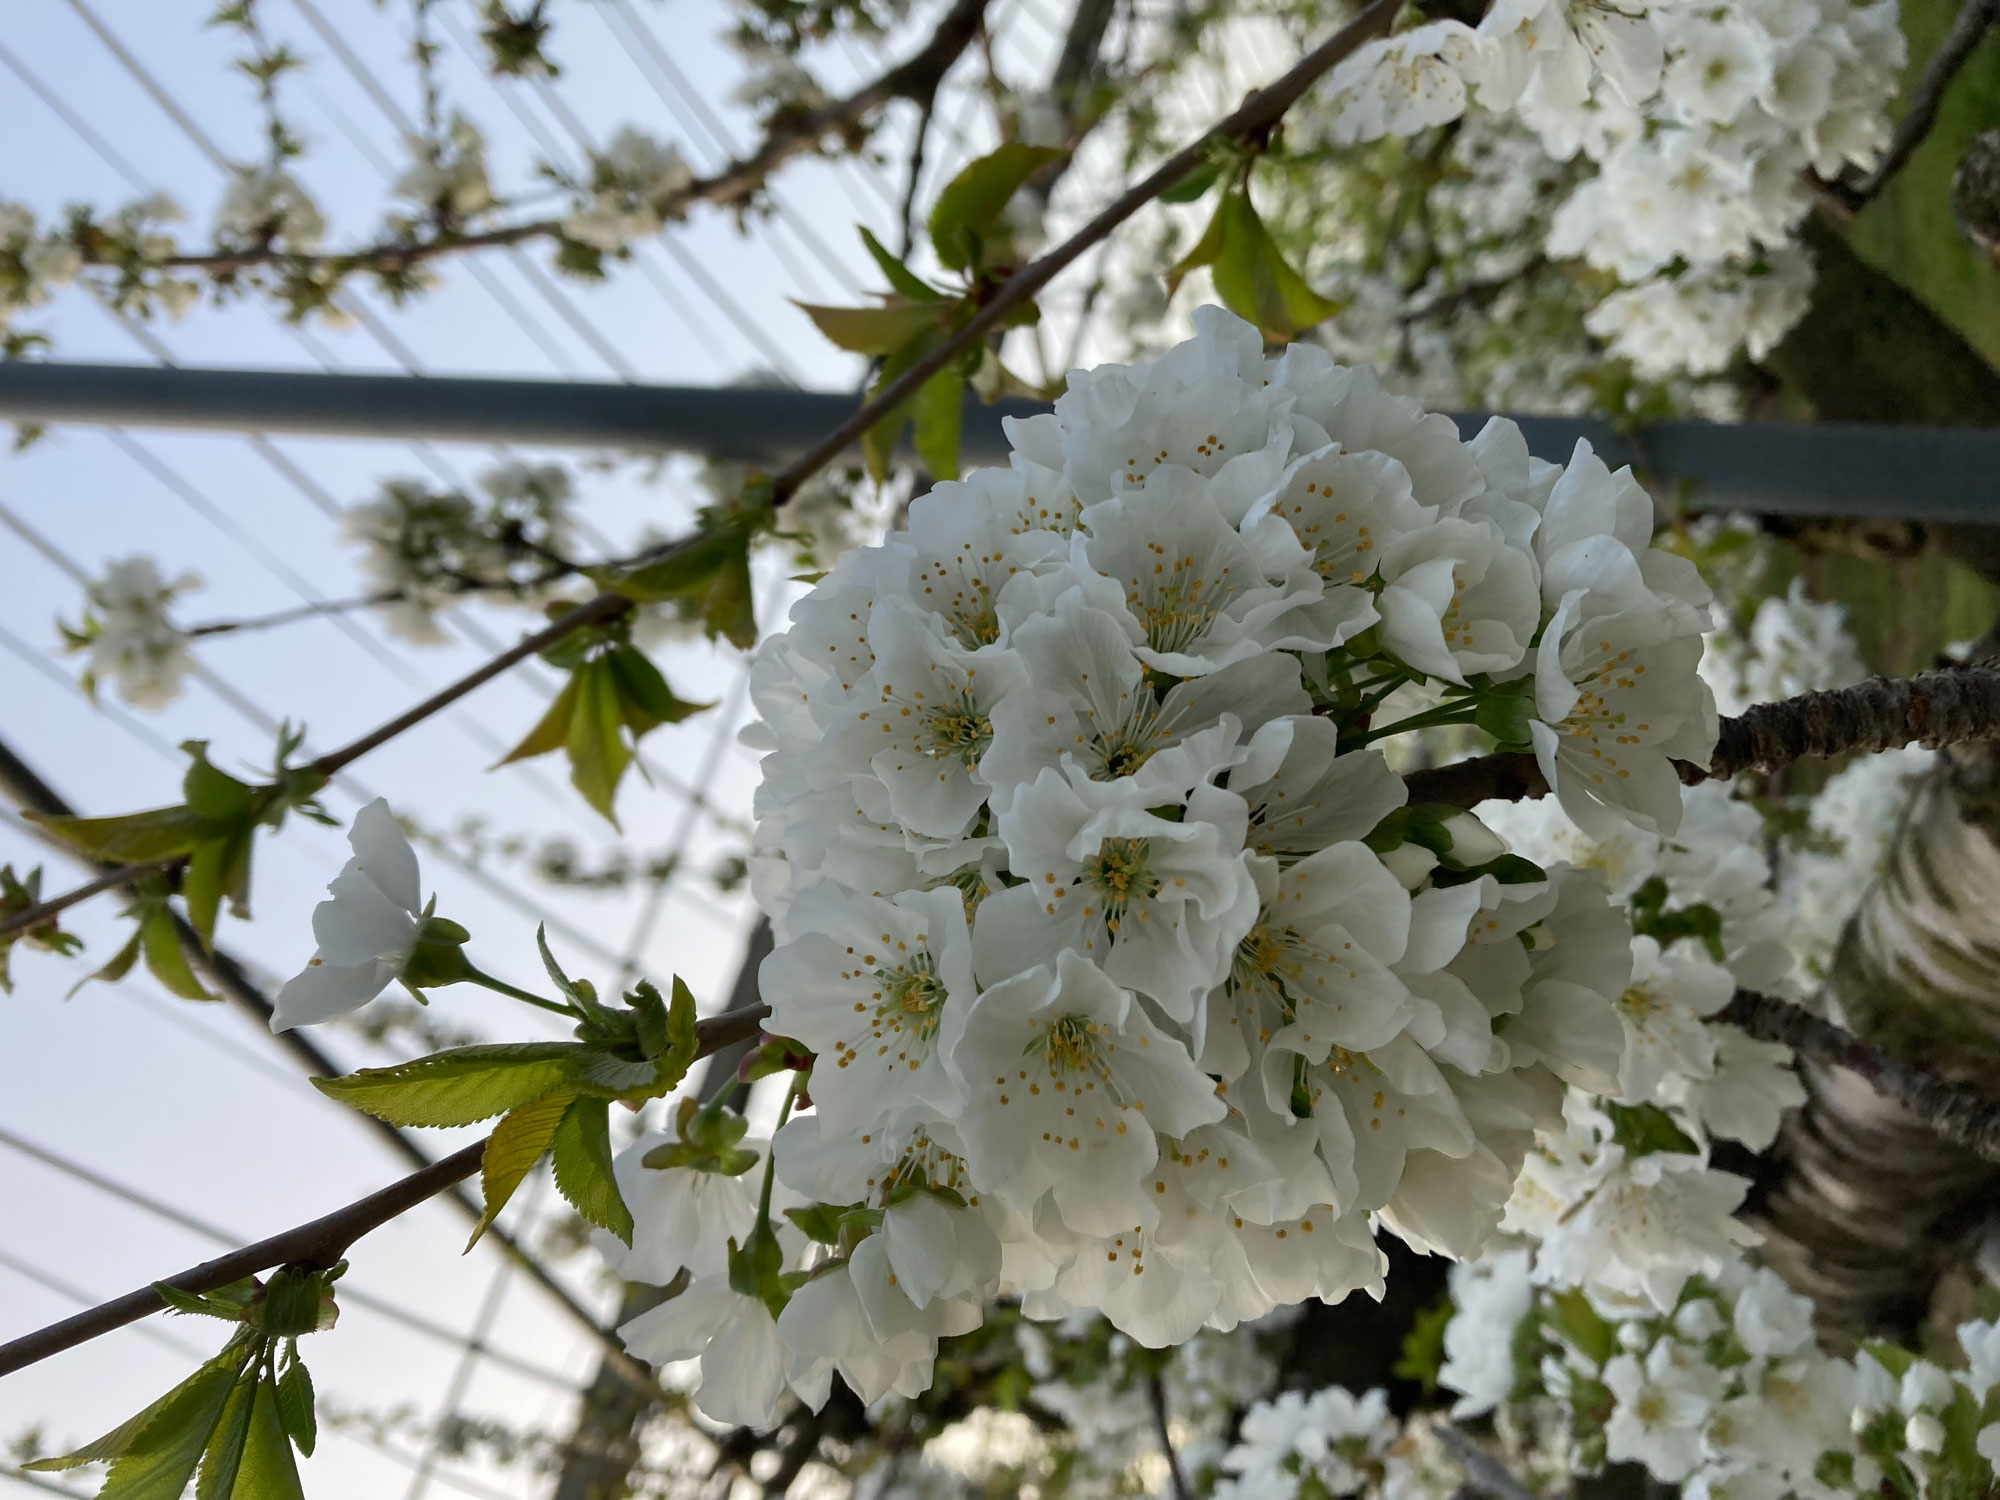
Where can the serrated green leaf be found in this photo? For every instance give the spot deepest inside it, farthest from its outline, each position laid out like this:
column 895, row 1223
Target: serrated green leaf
column 971, row 204
column 935, row 414
column 565, row 986
column 297, row 1412
column 683, row 1036
column 551, row 731
column 649, row 1019
column 517, row 1143
column 598, row 754
column 901, row 277
column 166, row 959
column 229, row 1310
column 1256, row 282
column 686, row 571
column 582, row 1149
column 872, row 330
column 223, row 1456
column 154, row 1455
column 140, row 838
column 643, row 695
column 269, row 1471
column 603, row 1075
column 458, row 1087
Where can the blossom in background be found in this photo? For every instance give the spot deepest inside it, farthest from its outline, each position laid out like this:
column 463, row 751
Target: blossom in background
column 268, row 206
column 126, row 636
column 633, row 183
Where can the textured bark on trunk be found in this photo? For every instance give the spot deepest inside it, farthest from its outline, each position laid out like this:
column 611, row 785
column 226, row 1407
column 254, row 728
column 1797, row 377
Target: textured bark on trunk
column 1868, row 1208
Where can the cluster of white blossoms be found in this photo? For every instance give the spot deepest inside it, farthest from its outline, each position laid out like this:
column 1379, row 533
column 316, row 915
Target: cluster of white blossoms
column 126, row 637
column 629, row 196
column 448, row 176
column 268, row 206
column 1703, row 126
column 1132, row 984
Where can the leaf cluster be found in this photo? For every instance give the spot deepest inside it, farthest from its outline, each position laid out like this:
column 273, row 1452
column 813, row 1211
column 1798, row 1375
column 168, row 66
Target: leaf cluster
column 16, row 896
column 553, row 1098
column 232, row 1426
column 1251, row 274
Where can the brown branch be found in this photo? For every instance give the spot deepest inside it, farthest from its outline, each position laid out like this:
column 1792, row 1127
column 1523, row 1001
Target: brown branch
column 1956, row 706
column 1257, row 114
column 1975, row 18
column 791, row 134
column 1156, row 1398
column 1957, row 1115
column 318, row 1244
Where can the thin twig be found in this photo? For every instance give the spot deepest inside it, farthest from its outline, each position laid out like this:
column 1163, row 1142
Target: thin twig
column 43, row 911
column 1258, row 113
column 1955, row 706
column 792, row 133
column 1485, row 1473
column 316, row 1245
column 1955, row 1114
column 1975, row 18
column 1156, row 1398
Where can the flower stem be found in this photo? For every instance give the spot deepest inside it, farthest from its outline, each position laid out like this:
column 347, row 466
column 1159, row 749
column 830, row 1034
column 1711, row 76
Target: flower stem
column 1432, row 718
column 501, row 987
column 771, row 1157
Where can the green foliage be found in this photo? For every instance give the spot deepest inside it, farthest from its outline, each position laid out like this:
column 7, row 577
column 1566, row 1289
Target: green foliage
column 1643, row 1129
column 1252, row 276
column 710, row 573
column 1423, row 1346
column 157, row 938
column 551, row 1097
column 966, row 221
column 708, row 1136
column 232, row 1426
column 614, row 697
column 208, row 835
column 1651, row 918
column 17, row 896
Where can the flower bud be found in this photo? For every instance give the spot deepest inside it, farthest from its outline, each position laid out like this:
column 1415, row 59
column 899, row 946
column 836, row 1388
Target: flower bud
column 1924, row 1433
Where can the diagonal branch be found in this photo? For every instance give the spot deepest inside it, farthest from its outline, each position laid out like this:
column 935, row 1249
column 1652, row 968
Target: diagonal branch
column 1956, row 706
column 1258, row 113
column 792, row 133
column 1975, row 19
column 1955, row 1114
column 318, row 1244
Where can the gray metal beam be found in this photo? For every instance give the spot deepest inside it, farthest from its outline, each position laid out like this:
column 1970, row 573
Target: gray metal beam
column 1775, row 468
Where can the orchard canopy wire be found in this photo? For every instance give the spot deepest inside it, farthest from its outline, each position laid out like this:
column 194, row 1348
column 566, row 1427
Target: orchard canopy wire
column 1306, row 945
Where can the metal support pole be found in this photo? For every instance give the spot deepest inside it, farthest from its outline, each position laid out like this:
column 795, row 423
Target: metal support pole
column 1937, row 474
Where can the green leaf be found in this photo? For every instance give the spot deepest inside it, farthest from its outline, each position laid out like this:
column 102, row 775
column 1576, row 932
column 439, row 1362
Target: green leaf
column 683, row 1037
column 1580, row 1323
column 1423, row 1346
column 1254, row 279
column 218, row 868
column 605, row 1076
column 140, row 838
column 551, row 731
column 1643, row 1129
column 565, row 986
column 878, row 443
column 1203, row 254
column 873, row 330
column 269, row 1471
column 212, row 794
column 643, row 695
column 154, row 1455
column 935, row 413
column 117, row 968
column 818, row 1221
column 901, row 277
column 598, row 754
column 461, row 1086
column 583, row 1167
column 729, row 610
column 1506, row 717
column 166, row 959
column 971, row 204
column 688, row 569
column 224, row 1453
column 1192, row 186
column 517, row 1143
column 228, row 1304
column 296, row 1406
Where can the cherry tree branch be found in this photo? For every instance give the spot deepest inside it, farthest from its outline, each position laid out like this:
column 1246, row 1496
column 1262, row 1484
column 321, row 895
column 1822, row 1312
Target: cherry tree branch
column 1263, row 109
column 1955, row 706
column 1956, row 1114
column 1975, row 19
column 792, row 133
column 318, row 1244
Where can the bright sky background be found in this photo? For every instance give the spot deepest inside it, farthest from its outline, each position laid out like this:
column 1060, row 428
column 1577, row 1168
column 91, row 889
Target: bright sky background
column 190, row 1104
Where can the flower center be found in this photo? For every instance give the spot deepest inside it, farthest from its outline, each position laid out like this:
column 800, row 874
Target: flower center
column 958, row 730
column 1176, row 605
column 1121, row 874
column 1070, row 1044
column 911, row 997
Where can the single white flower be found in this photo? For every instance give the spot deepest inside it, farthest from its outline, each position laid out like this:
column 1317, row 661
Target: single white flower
column 366, row 933
column 1459, row 599
column 743, row 1362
